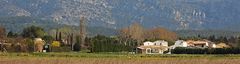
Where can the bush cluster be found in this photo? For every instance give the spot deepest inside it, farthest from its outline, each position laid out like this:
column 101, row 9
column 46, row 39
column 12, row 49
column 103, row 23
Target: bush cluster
column 181, row 50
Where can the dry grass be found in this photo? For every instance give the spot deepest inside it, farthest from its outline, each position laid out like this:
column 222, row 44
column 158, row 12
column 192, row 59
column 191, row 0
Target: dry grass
column 117, row 60
column 75, row 60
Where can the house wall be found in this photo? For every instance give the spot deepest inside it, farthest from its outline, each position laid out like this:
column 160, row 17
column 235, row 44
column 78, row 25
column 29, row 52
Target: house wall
column 180, row 43
column 152, row 51
column 184, row 44
column 214, row 46
column 161, row 43
column 200, row 45
column 148, row 43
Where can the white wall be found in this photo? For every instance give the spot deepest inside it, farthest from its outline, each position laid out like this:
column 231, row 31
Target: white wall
column 161, row 43
column 181, row 43
column 148, row 43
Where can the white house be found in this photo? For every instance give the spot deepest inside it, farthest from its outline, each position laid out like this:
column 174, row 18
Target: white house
column 179, row 43
column 201, row 44
column 148, row 43
column 161, row 43
column 157, row 47
column 194, row 44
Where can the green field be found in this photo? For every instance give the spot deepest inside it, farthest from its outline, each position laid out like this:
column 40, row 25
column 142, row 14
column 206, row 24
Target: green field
column 114, row 58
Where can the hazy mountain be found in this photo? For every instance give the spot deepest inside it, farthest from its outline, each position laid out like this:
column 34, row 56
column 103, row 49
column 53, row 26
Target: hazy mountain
column 172, row 14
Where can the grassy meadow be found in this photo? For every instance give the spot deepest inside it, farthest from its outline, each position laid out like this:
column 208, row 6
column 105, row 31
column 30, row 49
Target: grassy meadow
column 114, row 58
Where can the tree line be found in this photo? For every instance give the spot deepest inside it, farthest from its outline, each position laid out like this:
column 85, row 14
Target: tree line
column 127, row 40
column 136, row 32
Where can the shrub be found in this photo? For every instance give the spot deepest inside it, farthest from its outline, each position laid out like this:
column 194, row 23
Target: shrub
column 182, row 50
column 77, row 45
column 56, row 44
column 29, row 45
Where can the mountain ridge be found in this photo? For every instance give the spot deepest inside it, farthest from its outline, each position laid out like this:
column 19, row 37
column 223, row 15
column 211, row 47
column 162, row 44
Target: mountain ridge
column 171, row 14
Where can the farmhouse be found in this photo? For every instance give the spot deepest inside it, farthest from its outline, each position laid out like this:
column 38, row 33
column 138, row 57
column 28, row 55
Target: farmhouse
column 157, row 47
column 222, row 45
column 201, row 44
column 193, row 44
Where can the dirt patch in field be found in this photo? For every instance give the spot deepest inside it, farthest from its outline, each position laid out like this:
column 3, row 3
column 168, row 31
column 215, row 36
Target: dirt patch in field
column 75, row 60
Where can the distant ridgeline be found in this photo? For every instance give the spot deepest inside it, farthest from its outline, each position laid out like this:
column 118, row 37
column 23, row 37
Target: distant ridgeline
column 16, row 24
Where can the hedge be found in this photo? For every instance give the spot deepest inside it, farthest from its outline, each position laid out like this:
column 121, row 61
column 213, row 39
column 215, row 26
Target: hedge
column 182, row 50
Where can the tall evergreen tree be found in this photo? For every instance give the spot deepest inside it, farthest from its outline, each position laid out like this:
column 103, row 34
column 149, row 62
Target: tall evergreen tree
column 82, row 32
column 60, row 36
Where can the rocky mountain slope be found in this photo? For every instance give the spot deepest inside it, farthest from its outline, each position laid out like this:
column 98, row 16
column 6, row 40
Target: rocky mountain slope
column 172, row 14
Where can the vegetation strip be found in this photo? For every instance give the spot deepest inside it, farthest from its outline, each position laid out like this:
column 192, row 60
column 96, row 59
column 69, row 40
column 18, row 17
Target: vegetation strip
column 99, row 55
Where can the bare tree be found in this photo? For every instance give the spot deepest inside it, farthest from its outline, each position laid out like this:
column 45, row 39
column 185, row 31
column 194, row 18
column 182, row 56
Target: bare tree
column 124, row 36
column 135, row 32
column 160, row 33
